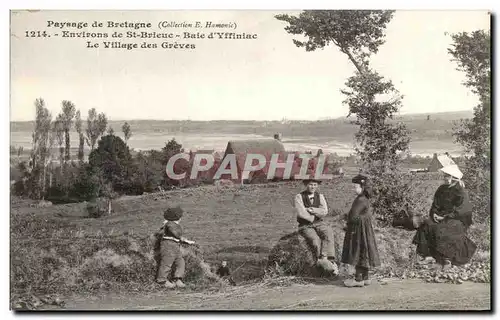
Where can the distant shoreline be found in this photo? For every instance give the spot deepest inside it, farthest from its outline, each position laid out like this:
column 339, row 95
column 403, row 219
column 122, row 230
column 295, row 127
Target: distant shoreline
column 452, row 114
column 194, row 142
column 429, row 135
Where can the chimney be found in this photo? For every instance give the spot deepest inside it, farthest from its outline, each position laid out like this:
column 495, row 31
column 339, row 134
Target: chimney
column 277, row 136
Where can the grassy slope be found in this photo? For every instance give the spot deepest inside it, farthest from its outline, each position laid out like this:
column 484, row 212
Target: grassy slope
column 241, row 226
column 238, row 225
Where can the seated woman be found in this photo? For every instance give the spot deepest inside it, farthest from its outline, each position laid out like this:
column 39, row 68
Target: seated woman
column 443, row 235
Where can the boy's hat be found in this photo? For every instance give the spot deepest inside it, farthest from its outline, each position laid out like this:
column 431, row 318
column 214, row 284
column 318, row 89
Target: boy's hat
column 307, row 181
column 173, row 213
column 360, row 179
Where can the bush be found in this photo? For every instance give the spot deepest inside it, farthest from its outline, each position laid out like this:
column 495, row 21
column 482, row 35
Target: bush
column 132, row 188
column 149, row 171
column 478, row 184
column 19, row 188
column 113, row 161
column 400, row 196
column 15, row 173
column 56, row 194
column 87, row 184
column 480, row 233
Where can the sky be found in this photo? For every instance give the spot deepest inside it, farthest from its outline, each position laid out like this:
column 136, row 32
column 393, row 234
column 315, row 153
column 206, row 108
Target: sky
column 264, row 79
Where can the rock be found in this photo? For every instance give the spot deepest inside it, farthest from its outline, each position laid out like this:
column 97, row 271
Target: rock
column 197, row 270
column 44, row 204
column 293, row 256
column 41, row 204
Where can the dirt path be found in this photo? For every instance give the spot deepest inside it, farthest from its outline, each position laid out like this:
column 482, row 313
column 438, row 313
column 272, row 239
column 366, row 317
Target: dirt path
column 396, row 295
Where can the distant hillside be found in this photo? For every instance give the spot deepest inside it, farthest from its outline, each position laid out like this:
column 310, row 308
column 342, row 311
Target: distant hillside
column 439, row 126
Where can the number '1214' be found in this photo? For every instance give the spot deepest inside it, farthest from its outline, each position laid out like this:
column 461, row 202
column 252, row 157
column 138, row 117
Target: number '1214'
column 36, row 34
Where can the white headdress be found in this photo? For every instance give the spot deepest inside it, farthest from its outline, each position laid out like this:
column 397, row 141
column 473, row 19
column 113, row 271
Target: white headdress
column 453, row 171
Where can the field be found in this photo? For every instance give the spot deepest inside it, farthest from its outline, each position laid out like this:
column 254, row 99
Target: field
column 59, row 250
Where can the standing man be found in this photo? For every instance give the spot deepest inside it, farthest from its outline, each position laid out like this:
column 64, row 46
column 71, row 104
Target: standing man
column 311, row 208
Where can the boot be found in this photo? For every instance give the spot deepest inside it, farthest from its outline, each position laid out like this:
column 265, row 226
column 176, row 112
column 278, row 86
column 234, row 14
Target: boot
column 327, row 266
column 169, row 285
column 335, row 271
column 358, row 279
column 179, row 283
column 366, row 279
column 426, row 261
column 350, row 283
column 446, row 264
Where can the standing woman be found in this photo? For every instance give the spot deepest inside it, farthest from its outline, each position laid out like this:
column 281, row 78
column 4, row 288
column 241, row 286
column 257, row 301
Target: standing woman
column 360, row 249
column 443, row 235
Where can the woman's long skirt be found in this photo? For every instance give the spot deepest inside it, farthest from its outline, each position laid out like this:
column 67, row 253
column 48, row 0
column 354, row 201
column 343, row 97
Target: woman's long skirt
column 444, row 240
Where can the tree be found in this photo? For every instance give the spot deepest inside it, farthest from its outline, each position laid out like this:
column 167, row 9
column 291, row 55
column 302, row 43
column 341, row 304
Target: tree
column 102, row 123
column 472, row 53
column 40, row 149
column 58, row 130
column 127, row 132
column 19, row 152
column 79, row 130
column 357, row 33
column 96, row 126
column 150, row 170
column 381, row 141
column 87, row 184
column 52, row 138
column 172, row 148
column 110, row 194
column 113, row 160
column 68, row 113
column 111, row 131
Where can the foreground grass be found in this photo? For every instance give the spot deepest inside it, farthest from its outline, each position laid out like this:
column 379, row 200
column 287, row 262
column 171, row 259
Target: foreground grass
column 57, row 249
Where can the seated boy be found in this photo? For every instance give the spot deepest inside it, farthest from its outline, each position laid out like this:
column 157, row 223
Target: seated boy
column 311, row 207
column 223, row 270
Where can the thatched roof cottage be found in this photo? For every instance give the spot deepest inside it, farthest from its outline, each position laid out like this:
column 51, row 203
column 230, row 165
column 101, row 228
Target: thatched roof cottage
column 240, row 148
